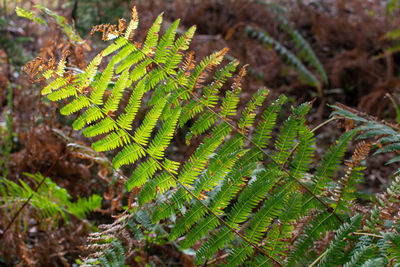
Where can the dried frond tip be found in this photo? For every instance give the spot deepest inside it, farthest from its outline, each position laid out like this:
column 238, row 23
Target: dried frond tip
column 133, row 24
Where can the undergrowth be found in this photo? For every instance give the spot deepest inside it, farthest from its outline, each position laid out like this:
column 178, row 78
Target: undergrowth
column 251, row 192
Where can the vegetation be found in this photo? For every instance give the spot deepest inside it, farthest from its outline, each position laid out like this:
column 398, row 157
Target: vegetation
column 251, row 189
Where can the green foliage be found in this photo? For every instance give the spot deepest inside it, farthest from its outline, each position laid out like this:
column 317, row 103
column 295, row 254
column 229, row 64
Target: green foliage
column 302, row 53
column 384, row 135
column 59, row 20
column 48, row 200
column 114, row 257
column 247, row 186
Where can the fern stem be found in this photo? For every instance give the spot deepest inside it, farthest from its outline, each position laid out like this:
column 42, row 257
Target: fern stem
column 324, row 123
column 368, row 234
column 319, row 258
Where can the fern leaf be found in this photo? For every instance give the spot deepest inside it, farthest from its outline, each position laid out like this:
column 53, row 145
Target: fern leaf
column 104, row 126
column 287, row 56
column 210, row 94
column 142, row 173
column 119, row 43
column 220, row 200
column 135, row 57
column 205, row 65
column 91, row 114
column 147, row 193
column 152, row 36
column 117, row 92
column 163, row 138
column 251, row 196
column 267, row 123
column 97, row 95
column 334, row 254
column 277, row 240
column 166, row 42
column 323, row 222
column 125, row 120
column 111, row 141
column 231, row 99
column 285, row 140
column 330, row 162
column 142, row 134
column 304, row 153
column 54, row 85
column 123, row 53
column 63, row 93
column 87, row 77
column 219, row 166
column 174, row 57
column 129, row 154
column 307, row 53
column 249, row 114
column 205, row 122
column 197, row 161
column 76, row 105
column 133, row 24
column 360, row 255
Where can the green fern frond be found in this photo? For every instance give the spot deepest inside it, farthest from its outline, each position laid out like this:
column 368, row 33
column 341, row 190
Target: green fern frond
column 54, row 85
column 63, row 93
column 287, row 56
column 330, row 162
column 267, row 123
column 335, row 251
column 235, row 192
column 231, row 100
column 193, row 167
column 114, row 256
column 101, row 85
column 86, row 78
column 204, row 123
column 112, row 141
column 163, row 138
column 91, row 114
column 322, row 223
column 249, row 113
column 285, row 140
column 129, row 154
column 142, row 173
column 277, row 240
column 116, row 93
column 210, row 94
column 360, row 255
column 151, row 40
column 174, row 56
column 125, row 120
column 76, row 105
column 49, row 200
column 104, row 126
column 166, row 43
column 302, row 157
column 143, row 133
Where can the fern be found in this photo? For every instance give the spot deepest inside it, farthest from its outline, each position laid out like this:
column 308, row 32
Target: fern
column 385, row 134
column 288, row 56
column 49, row 200
column 248, row 182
